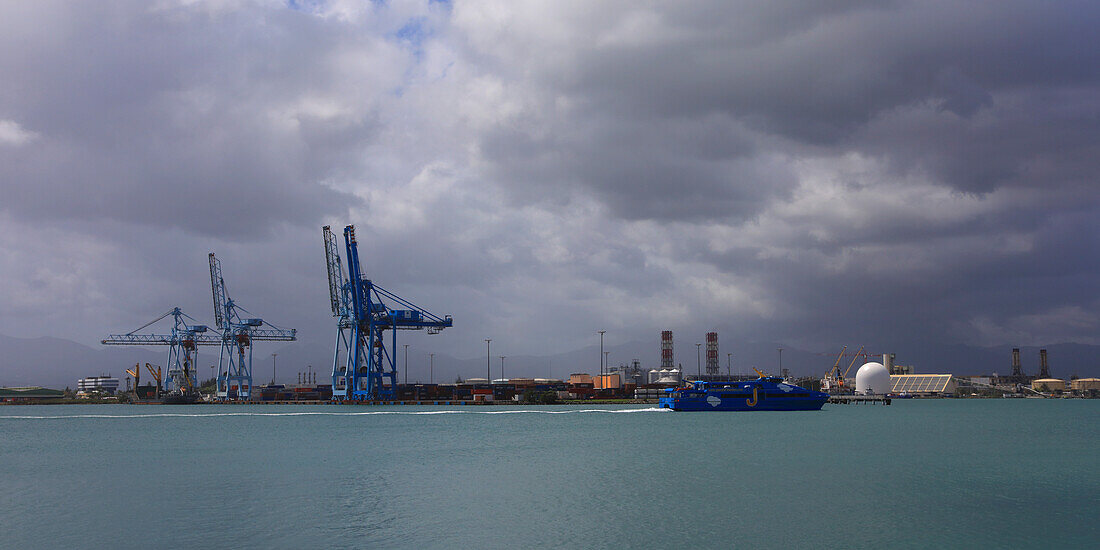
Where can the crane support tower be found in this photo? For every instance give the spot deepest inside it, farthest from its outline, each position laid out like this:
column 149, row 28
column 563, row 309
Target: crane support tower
column 237, row 335
column 364, row 365
column 183, row 344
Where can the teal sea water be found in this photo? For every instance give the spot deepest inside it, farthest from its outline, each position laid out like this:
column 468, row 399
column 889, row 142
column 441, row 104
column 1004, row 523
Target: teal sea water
column 916, row 474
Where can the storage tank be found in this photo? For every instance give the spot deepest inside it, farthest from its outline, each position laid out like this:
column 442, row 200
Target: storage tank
column 1086, row 384
column 669, row 376
column 873, row 378
column 1048, row 384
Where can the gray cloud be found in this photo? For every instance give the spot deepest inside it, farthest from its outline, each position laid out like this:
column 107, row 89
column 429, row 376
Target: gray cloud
column 817, row 172
column 169, row 118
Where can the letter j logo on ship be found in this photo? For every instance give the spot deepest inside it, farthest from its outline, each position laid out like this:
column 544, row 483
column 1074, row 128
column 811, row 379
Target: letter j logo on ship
column 752, row 402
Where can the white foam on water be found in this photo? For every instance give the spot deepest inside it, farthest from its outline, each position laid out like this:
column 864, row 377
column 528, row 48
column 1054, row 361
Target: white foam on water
column 357, row 413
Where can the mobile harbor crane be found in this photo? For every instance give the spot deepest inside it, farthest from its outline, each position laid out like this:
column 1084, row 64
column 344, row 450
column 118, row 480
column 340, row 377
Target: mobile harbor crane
column 836, row 382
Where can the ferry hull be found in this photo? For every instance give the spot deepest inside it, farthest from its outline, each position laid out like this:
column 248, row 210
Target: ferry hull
column 737, row 404
column 765, row 394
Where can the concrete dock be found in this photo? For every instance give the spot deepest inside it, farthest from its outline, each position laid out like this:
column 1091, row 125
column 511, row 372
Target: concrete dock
column 858, row 399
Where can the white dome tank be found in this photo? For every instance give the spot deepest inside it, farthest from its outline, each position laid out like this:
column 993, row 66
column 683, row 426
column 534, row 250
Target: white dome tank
column 872, row 378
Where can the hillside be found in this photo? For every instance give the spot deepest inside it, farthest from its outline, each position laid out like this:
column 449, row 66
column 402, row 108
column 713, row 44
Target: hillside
column 59, row 363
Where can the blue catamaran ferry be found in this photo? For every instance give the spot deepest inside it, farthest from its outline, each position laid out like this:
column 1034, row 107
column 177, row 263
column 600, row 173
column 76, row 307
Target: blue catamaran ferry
column 767, row 393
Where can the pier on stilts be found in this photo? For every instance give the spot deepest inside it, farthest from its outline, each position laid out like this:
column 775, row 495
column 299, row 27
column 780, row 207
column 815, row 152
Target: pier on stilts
column 859, row 399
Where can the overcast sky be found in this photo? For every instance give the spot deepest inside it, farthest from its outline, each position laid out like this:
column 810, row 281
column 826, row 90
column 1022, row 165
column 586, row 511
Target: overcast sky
column 815, row 173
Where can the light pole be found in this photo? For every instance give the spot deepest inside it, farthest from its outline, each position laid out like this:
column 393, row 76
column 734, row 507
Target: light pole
column 273, row 368
column 728, row 369
column 607, row 367
column 601, row 350
column 431, row 368
column 488, row 374
column 502, row 366
column 698, row 360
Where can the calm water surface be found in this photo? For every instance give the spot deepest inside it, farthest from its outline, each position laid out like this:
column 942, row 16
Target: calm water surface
column 916, row 474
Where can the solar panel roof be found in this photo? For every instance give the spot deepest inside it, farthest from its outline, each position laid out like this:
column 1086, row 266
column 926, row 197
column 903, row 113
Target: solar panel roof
column 920, row 383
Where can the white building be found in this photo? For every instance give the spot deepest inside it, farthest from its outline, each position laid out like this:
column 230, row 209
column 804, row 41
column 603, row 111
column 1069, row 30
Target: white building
column 102, row 384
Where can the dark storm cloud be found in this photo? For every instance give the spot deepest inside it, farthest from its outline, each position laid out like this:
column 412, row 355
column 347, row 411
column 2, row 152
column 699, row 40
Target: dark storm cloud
column 818, row 76
column 951, row 141
column 642, row 168
column 893, row 283
column 1032, row 138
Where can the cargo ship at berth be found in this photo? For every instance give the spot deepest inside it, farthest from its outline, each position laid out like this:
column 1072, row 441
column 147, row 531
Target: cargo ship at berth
column 179, row 397
column 767, row 393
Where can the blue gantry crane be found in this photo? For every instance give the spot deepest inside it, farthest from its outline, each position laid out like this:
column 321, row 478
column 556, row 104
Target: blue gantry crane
column 237, row 335
column 183, row 344
column 369, row 367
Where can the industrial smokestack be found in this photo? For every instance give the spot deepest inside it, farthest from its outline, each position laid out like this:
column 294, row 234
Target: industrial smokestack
column 666, row 349
column 712, row 353
column 1016, row 363
column 1044, row 369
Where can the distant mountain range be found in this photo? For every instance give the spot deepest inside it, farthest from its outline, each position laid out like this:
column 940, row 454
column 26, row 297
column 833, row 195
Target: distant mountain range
column 59, row 363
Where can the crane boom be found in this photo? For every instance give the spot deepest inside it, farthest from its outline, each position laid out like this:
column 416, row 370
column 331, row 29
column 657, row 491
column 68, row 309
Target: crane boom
column 217, row 289
column 155, row 339
column 836, row 366
column 336, row 284
column 155, row 372
column 854, row 358
column 136, row 373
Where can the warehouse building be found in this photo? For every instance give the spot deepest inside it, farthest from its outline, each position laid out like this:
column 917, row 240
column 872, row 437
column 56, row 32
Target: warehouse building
column 28, row 394
column 922, row 384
